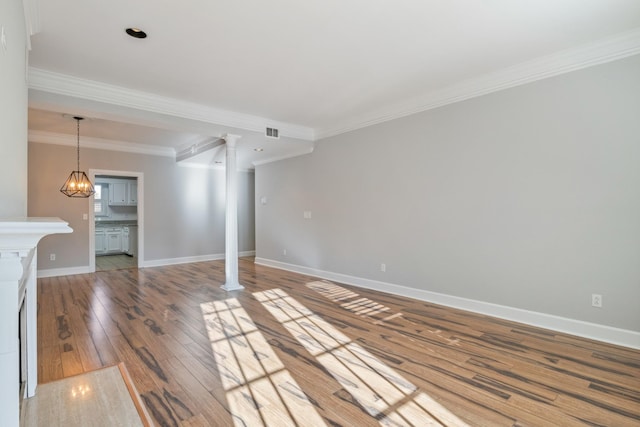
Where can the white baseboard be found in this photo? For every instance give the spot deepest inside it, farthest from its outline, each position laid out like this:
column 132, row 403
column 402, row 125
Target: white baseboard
column 187, row 260
column 181, row 260
column 580, row 328
column 68, row 271
column 54, row 272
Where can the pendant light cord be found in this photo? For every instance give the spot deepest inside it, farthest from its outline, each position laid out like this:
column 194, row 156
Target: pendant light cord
column 78, row 133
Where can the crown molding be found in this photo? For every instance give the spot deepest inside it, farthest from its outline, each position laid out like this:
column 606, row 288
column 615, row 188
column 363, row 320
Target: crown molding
column 298, row 153
column 63, row 84
column 605, row 50
column 100, row 144
column 214, row 167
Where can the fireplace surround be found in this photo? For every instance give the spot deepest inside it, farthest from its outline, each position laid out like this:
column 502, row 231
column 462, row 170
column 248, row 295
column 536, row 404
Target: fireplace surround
column 19, row 238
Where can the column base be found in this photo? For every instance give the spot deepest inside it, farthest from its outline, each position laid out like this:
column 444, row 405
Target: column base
column 232, row 286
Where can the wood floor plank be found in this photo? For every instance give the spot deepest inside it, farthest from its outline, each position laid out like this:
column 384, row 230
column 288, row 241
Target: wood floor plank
column 88, row 354
column 456, row 367
column 70, row 356
column 196, row 393
column 104, row 349
column 49, row 363
column 140, row 373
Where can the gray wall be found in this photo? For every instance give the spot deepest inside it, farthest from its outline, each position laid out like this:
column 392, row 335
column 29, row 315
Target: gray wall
column 13, row 112
column 528, row 198
column 184, row 208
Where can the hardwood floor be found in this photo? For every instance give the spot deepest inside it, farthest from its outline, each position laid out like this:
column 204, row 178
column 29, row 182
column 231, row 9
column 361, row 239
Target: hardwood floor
column 295, row 350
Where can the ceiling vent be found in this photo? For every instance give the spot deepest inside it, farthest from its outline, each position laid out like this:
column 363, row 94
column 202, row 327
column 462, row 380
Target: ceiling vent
column 272, row 133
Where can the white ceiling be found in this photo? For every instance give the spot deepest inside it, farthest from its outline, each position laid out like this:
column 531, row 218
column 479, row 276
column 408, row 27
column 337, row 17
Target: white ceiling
column 311, row 68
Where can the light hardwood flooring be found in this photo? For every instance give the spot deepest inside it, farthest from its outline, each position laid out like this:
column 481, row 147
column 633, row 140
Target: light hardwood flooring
column 291, row 349
column 115, row 262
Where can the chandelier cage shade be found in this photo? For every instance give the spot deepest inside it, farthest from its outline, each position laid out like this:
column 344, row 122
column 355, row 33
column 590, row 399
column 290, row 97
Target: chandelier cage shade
column 78, row 184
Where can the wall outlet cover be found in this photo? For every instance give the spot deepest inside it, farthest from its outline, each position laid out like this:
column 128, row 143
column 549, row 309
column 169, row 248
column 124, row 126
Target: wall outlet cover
column 596, row 300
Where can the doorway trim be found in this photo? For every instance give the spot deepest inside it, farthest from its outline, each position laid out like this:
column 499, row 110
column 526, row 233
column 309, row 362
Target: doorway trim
column 140, row 212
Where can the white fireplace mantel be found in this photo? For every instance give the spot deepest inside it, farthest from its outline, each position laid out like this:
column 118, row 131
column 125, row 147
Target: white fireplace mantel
column 25, row 233
column 19, row 238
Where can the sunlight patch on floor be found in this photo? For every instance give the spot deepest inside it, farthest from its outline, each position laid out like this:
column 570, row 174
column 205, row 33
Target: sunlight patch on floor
column 378, row 389
column 260, row 391
column 348, row 299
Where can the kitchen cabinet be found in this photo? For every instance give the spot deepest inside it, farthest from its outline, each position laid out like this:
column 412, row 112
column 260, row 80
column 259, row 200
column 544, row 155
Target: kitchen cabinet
column 133, row 193
column 114, row 239
column 117, row 239
column 133, row 240
column 118, row 194
column 101, row 241
column 124, row 193
column 125, row 240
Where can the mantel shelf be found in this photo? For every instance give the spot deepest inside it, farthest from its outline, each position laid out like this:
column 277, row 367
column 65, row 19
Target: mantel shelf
column 25, row 233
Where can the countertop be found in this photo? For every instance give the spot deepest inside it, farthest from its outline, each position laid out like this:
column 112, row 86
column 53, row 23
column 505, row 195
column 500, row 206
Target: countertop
column 112, row 223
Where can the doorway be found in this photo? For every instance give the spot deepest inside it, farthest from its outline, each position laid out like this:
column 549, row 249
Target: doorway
column 116, row 220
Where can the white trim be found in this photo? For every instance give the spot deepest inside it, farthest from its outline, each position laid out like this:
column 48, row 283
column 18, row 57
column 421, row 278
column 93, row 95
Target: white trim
column 70, row 271
column 606, row 50
column 190, row 259
column 182, row 260
column 210, row 167
column 100, row 144
column 62, row 84
column 66, row 271
column 580, row 328
column 283, row 157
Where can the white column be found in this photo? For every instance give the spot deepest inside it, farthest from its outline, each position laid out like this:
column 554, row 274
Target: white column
column 231, row 219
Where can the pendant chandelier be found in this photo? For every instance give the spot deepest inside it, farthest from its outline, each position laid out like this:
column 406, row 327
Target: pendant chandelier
column 78, row 184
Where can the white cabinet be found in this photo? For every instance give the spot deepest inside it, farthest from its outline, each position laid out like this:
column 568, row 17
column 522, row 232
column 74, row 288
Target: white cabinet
column 101, row 241
column 123, row 193
column 133, row 240
column 114, row 239
column 125, row 240
column 117, row 239
column 118, row 193
column 133, row 193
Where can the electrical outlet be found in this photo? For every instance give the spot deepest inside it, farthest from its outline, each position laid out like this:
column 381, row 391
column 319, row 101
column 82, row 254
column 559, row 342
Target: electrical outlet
column 383, row 267
column 596, row 300
column 284, row 252
column 52, row 257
